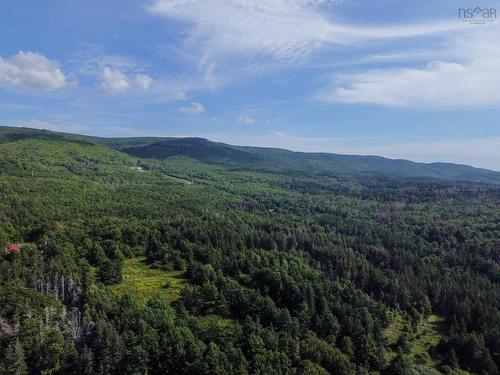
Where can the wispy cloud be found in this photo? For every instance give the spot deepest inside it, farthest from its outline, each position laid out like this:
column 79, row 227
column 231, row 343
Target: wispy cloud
column 470, row 77
column 115, row 81
column 457, row 66
column 31, row 70
column 143, row 81
column 115, row 73
column 91, row 60
column 194, row 109
column 246, row 119
column 256, row 36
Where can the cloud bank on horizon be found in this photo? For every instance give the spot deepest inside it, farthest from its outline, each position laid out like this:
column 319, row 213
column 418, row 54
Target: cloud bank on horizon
column 250, row 69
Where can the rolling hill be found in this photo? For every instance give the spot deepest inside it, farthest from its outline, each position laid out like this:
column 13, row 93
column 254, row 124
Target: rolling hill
column 260, row 159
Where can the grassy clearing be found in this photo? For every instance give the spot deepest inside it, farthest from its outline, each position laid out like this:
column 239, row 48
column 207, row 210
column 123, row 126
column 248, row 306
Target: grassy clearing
column 142, row 281
column 427, row 335
column 393, row 333
column 419, row 344
column 426, row 338
column 395, row 329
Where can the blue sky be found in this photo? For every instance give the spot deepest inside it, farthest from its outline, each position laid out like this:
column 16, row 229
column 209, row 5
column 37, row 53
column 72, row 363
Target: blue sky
column 402, row 79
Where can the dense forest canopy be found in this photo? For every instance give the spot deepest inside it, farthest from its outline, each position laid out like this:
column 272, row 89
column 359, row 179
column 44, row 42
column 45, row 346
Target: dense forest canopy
column 188, row 257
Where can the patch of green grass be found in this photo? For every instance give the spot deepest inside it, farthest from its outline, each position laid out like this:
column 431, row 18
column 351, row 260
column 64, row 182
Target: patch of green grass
column 426, row 338
column 209, row 323
column 394, row 331
column 142, row 281
column 420, row 344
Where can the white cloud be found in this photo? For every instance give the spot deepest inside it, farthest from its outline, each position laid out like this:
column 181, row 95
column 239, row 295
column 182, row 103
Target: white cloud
column 180, row 95
column 91, row 61
column 223, row 27
column 227, row 36
column 440, row 83
column 194, row 109
column 31, row 70
column 115, row 73
column 247, row 120
column 115, row 81
column 143, row 81
column 470, row 77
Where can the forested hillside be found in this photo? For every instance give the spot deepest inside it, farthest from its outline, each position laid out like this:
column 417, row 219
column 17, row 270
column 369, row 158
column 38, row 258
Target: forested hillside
column 284, row 161
column 137, row 260
column 268, row 160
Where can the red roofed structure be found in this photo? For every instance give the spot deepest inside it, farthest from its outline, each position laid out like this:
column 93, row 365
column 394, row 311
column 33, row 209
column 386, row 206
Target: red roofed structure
column 13, row 247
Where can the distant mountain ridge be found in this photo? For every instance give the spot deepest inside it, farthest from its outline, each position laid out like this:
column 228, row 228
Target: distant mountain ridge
column 271, row 160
